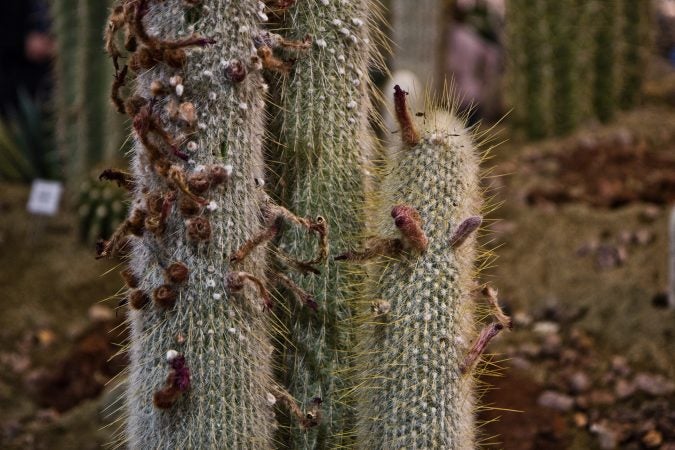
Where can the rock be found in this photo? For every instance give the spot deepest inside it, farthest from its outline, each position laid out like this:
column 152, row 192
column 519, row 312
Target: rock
column 608, row 436
column 601, row 397
column 556, row 400
column 521, row 319
column 546, row 327
column 45, row 337
column 652, row 439
column 656, row 385
column 580, row 419
column 620, row 365
column 608, row 256
column 100, row 313
column 624, row 388
column 643, row 236
column 650, row 213
column 579, row 382
column 551, row 345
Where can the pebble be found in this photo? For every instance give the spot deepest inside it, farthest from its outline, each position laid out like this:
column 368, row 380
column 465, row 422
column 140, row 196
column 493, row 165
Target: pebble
column 652, row 439
column 608, row 437
column 556, row 400
column 656, row 385
column 580, row 419
column 624, row 388
column 579, row 382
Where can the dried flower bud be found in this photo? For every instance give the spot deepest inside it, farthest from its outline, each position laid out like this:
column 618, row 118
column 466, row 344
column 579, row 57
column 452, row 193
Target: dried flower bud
column 199, row 182
column 189, row 207
column 177, row 273
column 187, row 113
column 235, row 72
column 198, row 229
column 164, row 296
column 129, row 278
column 219, row 174
column 138, row 299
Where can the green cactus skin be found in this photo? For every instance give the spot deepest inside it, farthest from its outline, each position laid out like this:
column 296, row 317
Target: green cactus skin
column 561, row 17
column 325, row 139
column 414, row 394
column 226, row 345
column 92, row 77
column 65, row 19
column 101, row 207
column 527, row 60
column 604, row 95
column 635, row 30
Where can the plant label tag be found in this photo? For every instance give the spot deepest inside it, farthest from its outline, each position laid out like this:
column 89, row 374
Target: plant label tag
column 44, row 197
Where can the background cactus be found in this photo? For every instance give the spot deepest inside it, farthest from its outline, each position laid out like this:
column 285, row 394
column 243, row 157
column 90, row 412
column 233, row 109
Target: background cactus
column 325, row 140
column 86, row 131
column 101, row 207
column 419, row 325
column 583, row 60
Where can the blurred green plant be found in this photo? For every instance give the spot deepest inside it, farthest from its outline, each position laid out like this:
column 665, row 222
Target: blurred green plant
column 26, row 144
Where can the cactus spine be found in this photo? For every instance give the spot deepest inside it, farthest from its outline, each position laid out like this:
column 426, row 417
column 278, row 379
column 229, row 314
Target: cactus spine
column 416, row 331
column 221, row 336
column 325, row 140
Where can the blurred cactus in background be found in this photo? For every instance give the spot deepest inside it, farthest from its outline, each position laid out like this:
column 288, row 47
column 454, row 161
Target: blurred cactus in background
column 86, row 132
column 570, row 60
column 101, row 207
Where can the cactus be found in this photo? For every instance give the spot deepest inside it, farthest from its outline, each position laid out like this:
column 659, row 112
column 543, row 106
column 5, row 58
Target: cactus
column 635, row 29
column 100, row 208
column 414, row 393
column 325, row 140
column 86, row 133
column 200, row 227
column 526, row 59
column 571, row 60
column 198, row 122
column 604, row 97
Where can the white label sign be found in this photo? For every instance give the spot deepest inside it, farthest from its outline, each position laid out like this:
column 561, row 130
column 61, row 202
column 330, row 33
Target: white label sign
column 44, row 197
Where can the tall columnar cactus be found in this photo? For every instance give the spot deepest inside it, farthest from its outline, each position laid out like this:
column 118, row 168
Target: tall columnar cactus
column 65, row 26
column 325, row 140
column 561, row 22
column 416, row 390
column 527, row 63
column 635, row 30
column 86, row 133
column 200, row 353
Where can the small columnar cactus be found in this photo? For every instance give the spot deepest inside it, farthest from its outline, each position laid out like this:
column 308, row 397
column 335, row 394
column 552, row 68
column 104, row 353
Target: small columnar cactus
column 101, row 207
column 416, row 390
